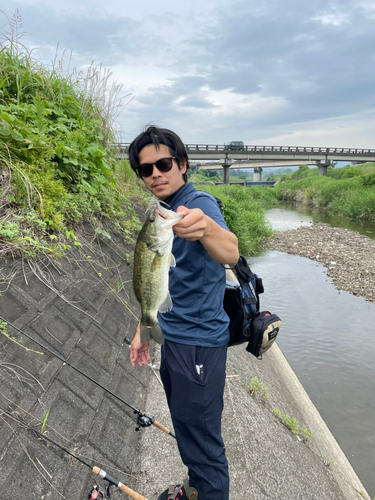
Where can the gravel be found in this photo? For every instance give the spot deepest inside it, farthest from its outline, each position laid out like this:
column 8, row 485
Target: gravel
column 348, row 256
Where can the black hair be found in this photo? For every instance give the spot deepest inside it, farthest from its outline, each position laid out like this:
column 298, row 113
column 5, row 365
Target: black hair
column 156, row 136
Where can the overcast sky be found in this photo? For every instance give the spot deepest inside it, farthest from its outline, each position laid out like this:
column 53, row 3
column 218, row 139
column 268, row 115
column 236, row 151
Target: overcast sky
column 267, row 72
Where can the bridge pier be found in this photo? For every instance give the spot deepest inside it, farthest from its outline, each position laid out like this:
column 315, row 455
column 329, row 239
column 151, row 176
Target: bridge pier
column 257, row 174
column 323, row 167
column 226, row 167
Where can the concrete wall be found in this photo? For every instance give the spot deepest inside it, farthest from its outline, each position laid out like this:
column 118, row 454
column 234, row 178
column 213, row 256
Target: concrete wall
column 76, row 308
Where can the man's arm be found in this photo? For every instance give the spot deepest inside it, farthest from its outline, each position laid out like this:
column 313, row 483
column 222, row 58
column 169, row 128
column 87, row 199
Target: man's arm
column 221, row 245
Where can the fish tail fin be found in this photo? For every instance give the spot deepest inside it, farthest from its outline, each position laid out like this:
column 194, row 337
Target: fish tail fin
column 151, row 330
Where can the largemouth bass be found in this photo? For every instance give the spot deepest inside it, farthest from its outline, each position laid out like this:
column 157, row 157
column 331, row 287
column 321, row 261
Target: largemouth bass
column 152, row 260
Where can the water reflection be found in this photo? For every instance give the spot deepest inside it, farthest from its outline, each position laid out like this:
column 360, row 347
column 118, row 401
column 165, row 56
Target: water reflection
column 293, row 216
column 284, row 220
column 327, row 337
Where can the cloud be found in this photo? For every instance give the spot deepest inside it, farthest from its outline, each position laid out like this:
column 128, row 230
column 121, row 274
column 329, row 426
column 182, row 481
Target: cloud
column 292, row 59
column 89, row 34
column 334, row 19
column 230, row 69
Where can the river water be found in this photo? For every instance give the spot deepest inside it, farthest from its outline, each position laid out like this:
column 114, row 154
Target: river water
column 289, row 217
column 328, row 339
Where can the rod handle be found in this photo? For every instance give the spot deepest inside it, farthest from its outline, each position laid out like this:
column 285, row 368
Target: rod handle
column 125, row 489
column 131, row 493
column 161, row 427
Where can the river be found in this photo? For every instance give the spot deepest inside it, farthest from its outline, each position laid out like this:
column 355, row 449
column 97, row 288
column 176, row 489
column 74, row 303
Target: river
column 328, row 339
column 289, row 217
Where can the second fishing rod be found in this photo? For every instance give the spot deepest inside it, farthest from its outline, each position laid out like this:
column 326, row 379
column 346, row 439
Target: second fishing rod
column 143, row 420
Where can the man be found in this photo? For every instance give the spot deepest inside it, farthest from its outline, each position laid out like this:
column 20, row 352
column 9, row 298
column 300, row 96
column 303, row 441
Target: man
column 195, row 331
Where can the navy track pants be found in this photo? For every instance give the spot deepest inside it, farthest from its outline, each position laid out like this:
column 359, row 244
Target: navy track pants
column 196, row 402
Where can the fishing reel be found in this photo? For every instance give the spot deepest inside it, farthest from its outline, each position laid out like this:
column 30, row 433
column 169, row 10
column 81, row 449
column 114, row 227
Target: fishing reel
column 143, row 421
column 98, row 494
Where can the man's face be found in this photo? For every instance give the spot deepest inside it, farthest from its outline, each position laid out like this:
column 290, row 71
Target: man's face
column 162, row 184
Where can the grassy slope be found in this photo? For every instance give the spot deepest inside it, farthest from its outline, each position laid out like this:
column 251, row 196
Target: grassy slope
column 55, row 168
column 348, row 192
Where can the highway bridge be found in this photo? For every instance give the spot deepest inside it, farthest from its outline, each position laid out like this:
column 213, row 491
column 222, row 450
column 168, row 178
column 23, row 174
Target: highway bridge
column 322, row 157
column 241, row 164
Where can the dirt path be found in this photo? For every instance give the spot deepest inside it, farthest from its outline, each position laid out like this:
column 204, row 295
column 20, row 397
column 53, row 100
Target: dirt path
column 348, row 256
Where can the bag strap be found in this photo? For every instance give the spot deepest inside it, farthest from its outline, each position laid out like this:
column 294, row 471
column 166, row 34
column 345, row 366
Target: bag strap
column 243, row 271
column 245, row 276
column 249, row 301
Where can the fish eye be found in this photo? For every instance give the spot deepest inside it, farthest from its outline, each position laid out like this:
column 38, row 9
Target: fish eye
column 151, row 218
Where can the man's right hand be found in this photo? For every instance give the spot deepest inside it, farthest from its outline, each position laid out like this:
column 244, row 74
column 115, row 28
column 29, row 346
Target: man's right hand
column 139, row 352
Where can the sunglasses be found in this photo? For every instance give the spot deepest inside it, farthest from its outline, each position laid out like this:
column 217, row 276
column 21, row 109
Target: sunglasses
column 163, row 165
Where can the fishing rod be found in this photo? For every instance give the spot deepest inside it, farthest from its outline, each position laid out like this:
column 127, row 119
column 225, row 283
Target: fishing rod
column 96, row 491
column 143, row 420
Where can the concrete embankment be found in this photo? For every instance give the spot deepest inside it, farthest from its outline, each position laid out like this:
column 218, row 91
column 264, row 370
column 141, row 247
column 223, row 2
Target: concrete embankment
column 266, row 460
column 78, row 308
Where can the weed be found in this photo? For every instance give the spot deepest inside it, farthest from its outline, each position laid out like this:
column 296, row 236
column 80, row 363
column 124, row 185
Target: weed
column 293, row 425
column 328, row 462
column 3, row 331
column 305, row 435
column 44, row 423
column 257, row 389
column 346, row 192
column 101, row 232
column 9, row 231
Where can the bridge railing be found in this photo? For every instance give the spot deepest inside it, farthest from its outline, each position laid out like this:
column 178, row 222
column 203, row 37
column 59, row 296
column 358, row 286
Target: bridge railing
column 205, row 147
column 123, row 147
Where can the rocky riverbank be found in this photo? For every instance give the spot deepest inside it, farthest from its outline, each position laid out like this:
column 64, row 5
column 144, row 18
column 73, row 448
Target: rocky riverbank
column 348, row 256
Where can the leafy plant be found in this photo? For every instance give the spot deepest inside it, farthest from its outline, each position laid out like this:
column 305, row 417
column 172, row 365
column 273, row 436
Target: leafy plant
column 329, row 462
column 257, row 389
column 55, row 136
column 9, row 231
column 293, row 425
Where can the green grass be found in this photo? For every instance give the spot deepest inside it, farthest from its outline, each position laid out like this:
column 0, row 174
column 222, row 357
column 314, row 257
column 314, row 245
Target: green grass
column 258, row 389
column 56, row 169
column 244, row 215
column 348, row 192
column 44, row 423
column 293, row 425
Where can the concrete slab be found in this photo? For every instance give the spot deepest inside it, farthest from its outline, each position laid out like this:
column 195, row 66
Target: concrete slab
column 266, row 460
